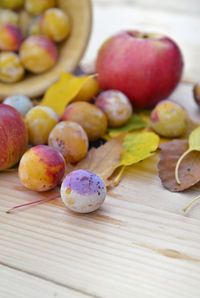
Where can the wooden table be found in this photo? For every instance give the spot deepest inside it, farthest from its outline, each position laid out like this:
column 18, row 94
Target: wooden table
column 139, row 244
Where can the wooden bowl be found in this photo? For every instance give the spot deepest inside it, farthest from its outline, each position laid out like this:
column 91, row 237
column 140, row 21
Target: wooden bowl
column 70, row 52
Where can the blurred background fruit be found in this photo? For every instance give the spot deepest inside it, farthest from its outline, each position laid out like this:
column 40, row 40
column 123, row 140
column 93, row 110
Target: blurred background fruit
column 38, row 54
column 11, row 4
column 55, row 24
column 38, row 7
column 20, row 102
column 13, row 136
column 11, row 68
column 169, row 119
column 10, row 37
column 8, row 16
column 70, row 50
column 34, row 27
column 145, row 66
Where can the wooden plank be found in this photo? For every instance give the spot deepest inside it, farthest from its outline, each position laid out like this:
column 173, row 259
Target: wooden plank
column 184, row 28
column 26, row 285
column 139, row 244
column 124, row 249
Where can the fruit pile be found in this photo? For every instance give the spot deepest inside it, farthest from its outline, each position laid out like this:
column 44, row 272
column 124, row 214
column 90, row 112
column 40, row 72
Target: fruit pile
column 82, row 121
column 62, row 139
column 58, row 141
column 32, row 49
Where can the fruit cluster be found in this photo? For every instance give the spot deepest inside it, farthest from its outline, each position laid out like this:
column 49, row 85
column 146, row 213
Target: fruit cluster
column 33, row 48
column 58, row 141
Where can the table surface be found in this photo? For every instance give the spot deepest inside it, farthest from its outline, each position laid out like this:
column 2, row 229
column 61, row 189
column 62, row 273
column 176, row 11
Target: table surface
column 139, row 243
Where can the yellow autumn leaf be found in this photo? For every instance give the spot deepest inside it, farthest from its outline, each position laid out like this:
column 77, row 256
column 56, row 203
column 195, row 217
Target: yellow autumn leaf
column 194, row 139
column 194, row 145
column 63, row 91
column 136, row 147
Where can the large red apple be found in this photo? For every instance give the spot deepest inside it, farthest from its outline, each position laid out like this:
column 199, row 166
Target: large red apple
column 146, row 67
column 13, row 136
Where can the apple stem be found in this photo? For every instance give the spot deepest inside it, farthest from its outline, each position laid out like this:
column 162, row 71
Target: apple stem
column 142, row 36
column 190, row 203
column 117, row 179
column 33, row 203
column 178, row 164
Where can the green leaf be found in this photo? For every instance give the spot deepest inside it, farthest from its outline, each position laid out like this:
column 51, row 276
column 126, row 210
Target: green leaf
column 135, row 122
column 137, row 147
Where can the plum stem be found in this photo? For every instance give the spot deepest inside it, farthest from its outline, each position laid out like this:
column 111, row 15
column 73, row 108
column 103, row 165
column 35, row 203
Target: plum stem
column 178, row 164
column 117, row 179
column 33, row 203
column 190, row 203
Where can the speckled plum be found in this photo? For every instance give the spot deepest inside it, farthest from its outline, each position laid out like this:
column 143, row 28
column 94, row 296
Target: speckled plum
column 70, row 139
column 83, row 191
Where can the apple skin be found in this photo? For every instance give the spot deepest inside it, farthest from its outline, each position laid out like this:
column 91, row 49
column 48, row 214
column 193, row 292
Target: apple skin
column 13, row 136
column 146, row 67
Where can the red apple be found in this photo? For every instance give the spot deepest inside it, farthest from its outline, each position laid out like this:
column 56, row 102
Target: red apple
column 13, row 136
column 146, row 67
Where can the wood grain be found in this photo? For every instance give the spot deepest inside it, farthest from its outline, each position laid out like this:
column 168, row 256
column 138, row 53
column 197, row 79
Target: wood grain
column 139, row 244
column 26, row 285
column 126, row 248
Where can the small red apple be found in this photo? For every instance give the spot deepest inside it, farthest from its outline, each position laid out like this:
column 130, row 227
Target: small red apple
column 146, row 67
column 13, row 136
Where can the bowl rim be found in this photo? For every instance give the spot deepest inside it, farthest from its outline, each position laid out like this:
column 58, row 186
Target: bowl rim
column 21, row 87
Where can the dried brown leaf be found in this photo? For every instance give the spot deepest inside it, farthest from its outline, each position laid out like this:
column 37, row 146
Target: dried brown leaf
column 102, row 160
column 189, row 173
